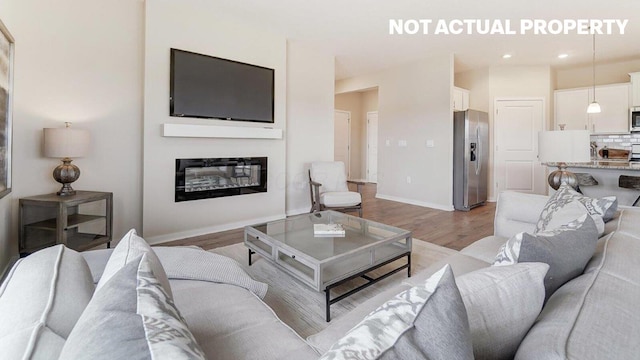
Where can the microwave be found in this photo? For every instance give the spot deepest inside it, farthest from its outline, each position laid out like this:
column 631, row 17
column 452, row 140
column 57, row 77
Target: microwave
column 634, row 119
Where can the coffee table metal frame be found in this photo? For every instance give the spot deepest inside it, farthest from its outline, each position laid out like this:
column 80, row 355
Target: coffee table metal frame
column 383, row 245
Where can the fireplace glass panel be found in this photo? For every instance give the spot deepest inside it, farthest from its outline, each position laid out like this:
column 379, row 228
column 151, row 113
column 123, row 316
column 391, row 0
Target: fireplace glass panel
column 216, row 177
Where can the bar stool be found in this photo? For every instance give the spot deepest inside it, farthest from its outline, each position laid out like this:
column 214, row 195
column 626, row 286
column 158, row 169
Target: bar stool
column 585, row 179
column 630, row 182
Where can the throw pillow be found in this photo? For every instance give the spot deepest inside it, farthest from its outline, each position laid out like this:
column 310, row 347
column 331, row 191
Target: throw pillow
column 423, row 322
column 131, row 317
column 130, row 247
column 566, row 249
column 502, row 304
column 564, row 196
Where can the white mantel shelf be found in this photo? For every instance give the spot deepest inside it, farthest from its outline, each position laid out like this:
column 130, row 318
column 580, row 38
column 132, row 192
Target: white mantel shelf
column 215, row 131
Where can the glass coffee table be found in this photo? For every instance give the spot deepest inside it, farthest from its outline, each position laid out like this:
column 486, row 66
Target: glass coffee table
column 324, row 262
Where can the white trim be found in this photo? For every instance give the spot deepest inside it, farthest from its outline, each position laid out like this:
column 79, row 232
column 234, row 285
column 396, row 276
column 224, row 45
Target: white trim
column 348, row 164
column 154, row 240
column 215, row 131
column 415, row 202
column 366, row 165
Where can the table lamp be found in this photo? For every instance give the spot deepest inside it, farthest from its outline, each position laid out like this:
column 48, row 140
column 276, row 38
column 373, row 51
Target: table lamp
column 562, row 147
column 66, row 143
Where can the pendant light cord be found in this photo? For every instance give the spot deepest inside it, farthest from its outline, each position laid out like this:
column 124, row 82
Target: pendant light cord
column 594, row 66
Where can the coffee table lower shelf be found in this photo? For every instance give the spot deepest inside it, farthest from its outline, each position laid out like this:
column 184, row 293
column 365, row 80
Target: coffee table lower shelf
column 363, row 274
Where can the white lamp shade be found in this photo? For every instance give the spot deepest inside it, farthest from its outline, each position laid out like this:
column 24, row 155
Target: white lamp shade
column 564, row 146
column 65, row 142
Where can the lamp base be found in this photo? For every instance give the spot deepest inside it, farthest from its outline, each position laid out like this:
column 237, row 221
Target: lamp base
column 560, row 176
column 65, row 174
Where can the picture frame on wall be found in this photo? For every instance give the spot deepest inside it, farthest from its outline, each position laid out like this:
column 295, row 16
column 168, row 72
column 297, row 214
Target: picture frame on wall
column 6, row 111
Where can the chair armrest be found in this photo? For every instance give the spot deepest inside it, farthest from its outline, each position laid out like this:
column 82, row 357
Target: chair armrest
column 359, row 183
column 314, row 183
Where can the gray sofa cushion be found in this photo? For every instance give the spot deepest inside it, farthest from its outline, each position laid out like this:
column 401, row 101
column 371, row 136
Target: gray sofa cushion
column 566, row 249
column 131, row 317
column 517, row 212
column 237, row 334
column 502, row 303
column 423, row 322
column 595, row 316
column 41, row 300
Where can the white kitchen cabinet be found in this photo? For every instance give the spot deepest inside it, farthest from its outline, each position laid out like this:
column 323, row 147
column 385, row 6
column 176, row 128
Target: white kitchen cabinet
column 635, row 88
column 614, row 103
column 460, row 99
column 571, row 109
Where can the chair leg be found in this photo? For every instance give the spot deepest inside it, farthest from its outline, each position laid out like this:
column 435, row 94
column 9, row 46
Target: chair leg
column 636, row 202
column 360, row 211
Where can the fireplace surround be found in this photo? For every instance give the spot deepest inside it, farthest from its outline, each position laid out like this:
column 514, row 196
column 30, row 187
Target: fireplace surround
column 197, row 179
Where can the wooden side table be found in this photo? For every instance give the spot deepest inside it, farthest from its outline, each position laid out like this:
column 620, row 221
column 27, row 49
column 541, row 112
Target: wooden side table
column 80, row 222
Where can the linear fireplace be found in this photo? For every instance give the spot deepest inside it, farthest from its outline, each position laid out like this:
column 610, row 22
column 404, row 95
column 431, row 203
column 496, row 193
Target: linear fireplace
column 216, row 177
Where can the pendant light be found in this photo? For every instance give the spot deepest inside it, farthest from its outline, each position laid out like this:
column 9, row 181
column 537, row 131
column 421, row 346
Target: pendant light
column 594, row 107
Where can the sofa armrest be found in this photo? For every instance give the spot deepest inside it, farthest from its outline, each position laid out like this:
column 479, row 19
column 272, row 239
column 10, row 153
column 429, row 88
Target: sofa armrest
column 517, row 212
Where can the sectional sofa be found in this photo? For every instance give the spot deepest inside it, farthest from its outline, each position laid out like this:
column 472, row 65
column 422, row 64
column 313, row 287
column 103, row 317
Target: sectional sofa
column 50, row 308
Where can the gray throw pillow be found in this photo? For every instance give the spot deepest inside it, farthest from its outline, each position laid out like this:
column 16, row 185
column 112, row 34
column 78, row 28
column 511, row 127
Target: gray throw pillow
column 566, row 249
column 423, row 322
column 596, row 208
column 131, row 317
column 502, row 304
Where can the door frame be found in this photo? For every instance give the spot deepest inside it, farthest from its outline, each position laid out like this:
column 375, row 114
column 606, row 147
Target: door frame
column 366, row 168
column 494, row 129
column 348, row 164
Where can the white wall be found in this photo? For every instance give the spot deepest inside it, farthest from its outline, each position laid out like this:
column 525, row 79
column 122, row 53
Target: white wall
column 202, row 28
column 78, row 61
column 609, row 73
column 414, row 104
column 477, row 82
column 309, row 119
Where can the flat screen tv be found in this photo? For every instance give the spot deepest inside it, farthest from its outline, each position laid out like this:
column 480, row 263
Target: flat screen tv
column 209, row 87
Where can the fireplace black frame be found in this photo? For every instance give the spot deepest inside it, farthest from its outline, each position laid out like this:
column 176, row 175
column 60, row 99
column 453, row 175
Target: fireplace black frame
column 183, row 164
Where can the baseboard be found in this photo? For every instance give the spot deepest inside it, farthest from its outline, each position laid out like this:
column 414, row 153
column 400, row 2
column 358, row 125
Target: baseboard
column 6, row 269
column 298, row 211
column 155, row 240
column 415, row 202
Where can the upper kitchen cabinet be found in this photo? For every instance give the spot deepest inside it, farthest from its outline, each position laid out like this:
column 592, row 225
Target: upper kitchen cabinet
column 460, row 99
column 635, row 88
column 614, row 103
column 571, row 109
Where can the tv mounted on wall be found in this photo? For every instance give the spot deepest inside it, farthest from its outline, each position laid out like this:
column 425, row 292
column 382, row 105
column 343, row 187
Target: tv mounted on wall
column 209, row 87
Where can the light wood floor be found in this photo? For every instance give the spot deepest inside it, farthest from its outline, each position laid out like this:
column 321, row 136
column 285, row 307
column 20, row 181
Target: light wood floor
column 452, row 229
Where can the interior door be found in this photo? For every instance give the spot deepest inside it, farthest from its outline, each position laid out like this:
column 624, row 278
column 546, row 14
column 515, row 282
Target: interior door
column 342, row 134
column 516, row 165
column 372, row 146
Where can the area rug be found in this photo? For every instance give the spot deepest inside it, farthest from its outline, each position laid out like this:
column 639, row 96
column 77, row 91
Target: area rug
column 303, row 308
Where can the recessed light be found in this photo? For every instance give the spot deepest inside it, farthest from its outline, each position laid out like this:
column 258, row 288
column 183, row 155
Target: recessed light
column 563, row 56
column 506, row 56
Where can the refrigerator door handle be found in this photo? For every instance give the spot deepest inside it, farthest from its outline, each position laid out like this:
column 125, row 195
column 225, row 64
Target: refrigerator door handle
column 479, row 151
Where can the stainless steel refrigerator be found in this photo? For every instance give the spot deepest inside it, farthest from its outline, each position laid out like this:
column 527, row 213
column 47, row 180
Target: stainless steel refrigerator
column 470, row 158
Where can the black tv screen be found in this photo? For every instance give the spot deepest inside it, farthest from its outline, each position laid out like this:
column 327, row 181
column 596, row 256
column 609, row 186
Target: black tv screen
column 209, row 87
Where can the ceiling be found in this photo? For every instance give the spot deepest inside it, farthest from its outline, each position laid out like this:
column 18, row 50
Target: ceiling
column 357, row 31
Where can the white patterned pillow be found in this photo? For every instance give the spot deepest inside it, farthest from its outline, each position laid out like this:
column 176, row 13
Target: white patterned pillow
column 566, row 249
column 131, row 317
column 598, row 209
column 423, row 322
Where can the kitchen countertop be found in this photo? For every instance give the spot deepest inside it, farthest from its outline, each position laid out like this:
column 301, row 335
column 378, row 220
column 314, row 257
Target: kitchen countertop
column 603, row 164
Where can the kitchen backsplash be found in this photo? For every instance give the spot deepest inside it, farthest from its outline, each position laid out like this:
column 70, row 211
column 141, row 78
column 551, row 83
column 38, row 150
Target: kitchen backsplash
column 616, row 141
